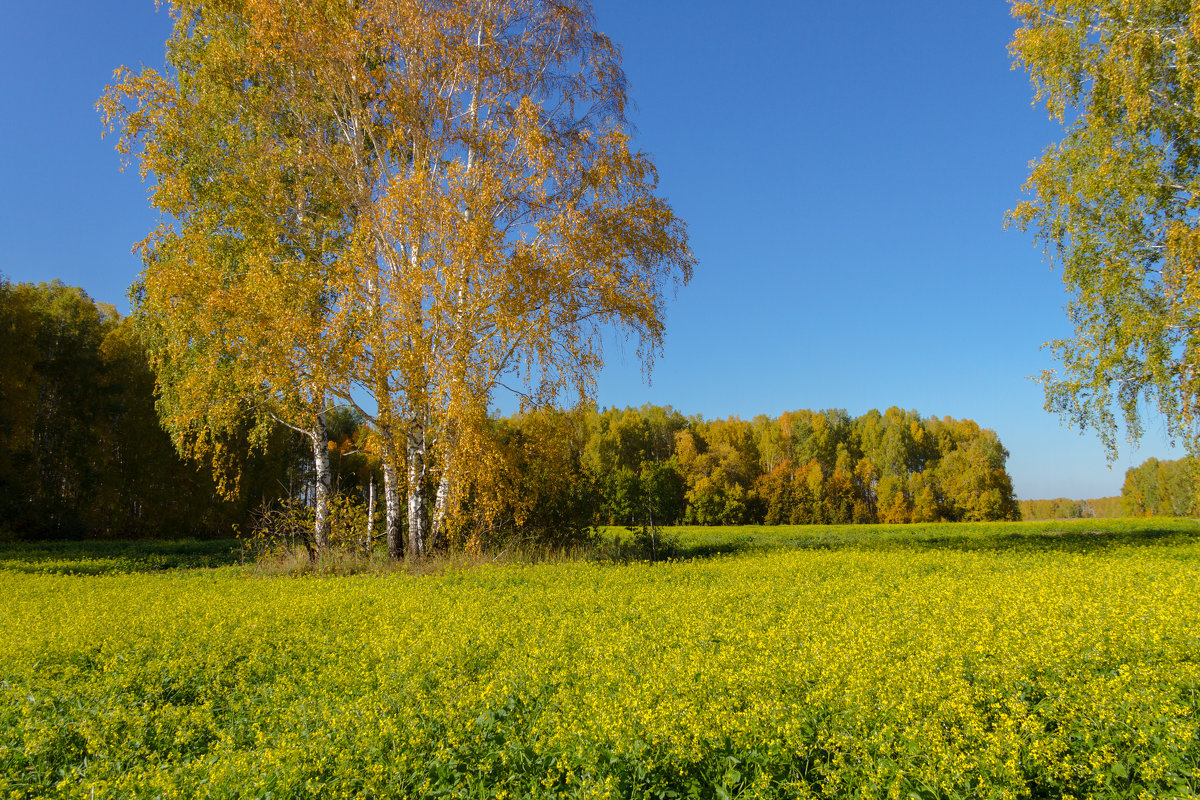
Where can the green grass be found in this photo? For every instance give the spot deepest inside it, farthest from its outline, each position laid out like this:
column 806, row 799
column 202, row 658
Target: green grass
column 1027, row 660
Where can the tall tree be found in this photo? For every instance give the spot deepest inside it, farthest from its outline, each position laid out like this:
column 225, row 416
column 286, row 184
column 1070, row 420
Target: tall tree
column 501, row 219
column 1115, row 203
column 239, row 300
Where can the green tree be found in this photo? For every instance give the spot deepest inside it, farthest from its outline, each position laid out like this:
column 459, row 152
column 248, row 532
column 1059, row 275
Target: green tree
column 662, row 493
column 56, row 465
column 81, row 449
column 1161, row 488
column 630, row 452
column 549, row 496
column 18, row 384
column 1115, row 203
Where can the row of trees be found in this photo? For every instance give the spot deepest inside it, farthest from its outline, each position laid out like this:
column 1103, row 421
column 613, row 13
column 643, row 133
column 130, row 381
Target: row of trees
column 559, row 473
column 1153, row 488
column 1064, row 508
column 82, row 454
column 395, row 206
column 653, row 464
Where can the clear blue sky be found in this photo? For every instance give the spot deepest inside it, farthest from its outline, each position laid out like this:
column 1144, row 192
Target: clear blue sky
column 844, row 170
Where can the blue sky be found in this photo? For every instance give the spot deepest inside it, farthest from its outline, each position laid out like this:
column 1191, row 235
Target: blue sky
column 844, row 170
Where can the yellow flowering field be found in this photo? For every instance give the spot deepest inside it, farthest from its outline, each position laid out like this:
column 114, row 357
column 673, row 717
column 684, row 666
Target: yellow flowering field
column 834, row 671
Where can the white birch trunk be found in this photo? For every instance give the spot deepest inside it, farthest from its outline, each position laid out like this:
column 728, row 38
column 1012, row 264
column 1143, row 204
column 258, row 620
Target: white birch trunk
column 391, row 501
column 371, row 514
column 437, row 531
column 323, row 488
column 418, row 500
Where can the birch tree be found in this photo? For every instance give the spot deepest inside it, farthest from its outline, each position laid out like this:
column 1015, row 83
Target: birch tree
column 502, row 219
column 542, row 225
column 238, row 299
column 1117, row 204
column 497, row 219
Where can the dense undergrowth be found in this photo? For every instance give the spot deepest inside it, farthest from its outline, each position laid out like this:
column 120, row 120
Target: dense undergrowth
column 959, row 661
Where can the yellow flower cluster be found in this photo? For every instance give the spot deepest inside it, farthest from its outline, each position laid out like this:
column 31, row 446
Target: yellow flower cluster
column 905, row 673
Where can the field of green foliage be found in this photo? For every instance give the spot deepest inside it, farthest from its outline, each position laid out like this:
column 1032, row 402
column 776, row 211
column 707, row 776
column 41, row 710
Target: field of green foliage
column 948, row 661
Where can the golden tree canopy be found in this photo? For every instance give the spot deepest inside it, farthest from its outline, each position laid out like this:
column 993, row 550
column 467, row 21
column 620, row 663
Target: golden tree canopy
column 418, row 201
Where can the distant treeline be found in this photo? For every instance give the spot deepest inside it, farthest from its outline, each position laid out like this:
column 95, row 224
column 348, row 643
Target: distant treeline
column 1062, row 508
column 1153, row 488
column 801, row 467
column 82, row 454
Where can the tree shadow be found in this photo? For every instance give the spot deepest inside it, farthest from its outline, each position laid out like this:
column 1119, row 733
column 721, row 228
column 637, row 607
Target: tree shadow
column 1056, row 541
column 954, row 537
column 97, row 557
column 1068, row 541
column 744, row 544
